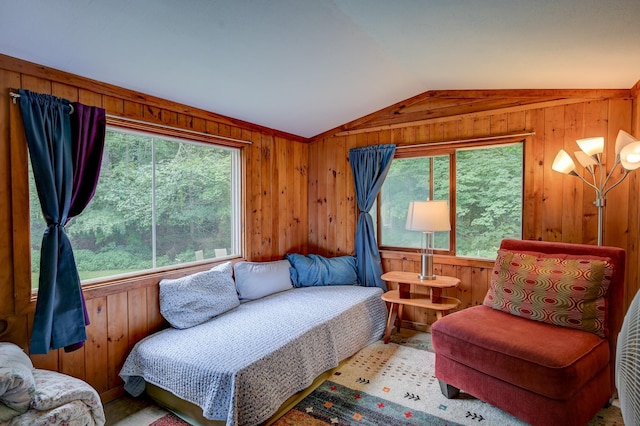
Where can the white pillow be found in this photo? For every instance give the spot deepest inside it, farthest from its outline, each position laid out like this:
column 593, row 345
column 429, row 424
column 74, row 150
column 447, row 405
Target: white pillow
column 258, row 279
column 196, row 298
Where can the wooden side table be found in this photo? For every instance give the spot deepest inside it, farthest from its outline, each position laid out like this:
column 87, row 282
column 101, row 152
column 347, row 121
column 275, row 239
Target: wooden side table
column 403, row 296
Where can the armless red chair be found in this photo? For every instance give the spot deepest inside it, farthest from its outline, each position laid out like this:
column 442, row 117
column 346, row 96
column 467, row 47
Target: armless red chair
column 539, row 347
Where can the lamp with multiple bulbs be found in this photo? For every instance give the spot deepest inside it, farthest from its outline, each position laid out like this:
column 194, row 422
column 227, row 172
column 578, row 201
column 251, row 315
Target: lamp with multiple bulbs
column 627, row 152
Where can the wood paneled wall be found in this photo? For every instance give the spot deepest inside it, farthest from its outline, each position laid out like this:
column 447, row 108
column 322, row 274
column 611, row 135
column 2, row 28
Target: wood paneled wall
column 556, row 207
column 299, row 198
column 275, row 193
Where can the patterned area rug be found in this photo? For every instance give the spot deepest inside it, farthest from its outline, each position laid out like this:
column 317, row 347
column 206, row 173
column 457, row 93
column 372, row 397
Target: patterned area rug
column 394, row 384
column 384, row 385
column 169, row 420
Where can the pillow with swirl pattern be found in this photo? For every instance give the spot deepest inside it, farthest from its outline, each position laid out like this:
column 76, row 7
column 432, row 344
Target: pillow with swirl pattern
column 562, row 290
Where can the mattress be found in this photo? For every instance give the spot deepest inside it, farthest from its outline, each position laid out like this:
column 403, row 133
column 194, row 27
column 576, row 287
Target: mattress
column 242, row 365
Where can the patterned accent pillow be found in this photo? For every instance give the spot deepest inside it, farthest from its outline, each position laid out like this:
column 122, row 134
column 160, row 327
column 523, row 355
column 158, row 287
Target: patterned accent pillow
column 568, row 292
column 194, row 299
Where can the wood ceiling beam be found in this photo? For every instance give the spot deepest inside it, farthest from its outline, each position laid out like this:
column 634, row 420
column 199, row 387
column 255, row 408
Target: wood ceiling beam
column 567, row 95
column 517, row 108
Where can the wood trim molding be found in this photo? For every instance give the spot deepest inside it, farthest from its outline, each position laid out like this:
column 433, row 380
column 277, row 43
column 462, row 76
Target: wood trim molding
column 561, row 97
column 40, row 71
column 440, row 259
column 635, row 90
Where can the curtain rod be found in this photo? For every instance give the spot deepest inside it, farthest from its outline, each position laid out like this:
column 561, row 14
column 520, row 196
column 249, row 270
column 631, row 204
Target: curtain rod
column 488, row 138
column 177, row 129
column 15, row 96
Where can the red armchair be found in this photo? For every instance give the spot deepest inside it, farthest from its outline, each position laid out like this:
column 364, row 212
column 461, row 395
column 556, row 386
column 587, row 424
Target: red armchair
column 538, row 371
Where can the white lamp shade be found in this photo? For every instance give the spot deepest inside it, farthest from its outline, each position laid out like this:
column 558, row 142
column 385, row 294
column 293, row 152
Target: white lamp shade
column 432, row 216
column 591, row 146
column 623, row 139
column 584, row 160
column 563, row 163
column 630, row 156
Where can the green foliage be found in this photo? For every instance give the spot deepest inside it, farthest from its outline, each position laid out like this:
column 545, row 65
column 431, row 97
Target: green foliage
column 190, row 207
column 488, row 198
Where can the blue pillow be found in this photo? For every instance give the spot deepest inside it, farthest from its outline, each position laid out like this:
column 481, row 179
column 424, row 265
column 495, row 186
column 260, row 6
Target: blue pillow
column 315, row 270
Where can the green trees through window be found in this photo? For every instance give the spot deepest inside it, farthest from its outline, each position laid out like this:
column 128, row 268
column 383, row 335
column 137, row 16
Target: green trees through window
column 159, row 202
column 488, row 184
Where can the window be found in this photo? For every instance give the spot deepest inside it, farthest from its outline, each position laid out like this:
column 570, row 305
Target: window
column 484, row 187
column 159, row 202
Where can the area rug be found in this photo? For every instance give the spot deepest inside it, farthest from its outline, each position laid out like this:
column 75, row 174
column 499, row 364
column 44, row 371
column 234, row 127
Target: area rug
column 391, row 384
column 395, row 385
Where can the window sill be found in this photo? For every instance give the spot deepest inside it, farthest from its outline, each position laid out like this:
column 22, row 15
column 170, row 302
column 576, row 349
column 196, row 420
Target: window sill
column 101, row 287
column 438, row 258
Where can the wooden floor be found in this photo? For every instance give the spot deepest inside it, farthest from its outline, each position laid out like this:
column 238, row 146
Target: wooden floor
column 123, row 407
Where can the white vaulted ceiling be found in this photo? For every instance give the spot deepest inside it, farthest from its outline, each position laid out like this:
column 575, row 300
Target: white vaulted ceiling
column 306, row 66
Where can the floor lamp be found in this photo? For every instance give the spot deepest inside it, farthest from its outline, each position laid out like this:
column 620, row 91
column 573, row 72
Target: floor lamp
column 428, row 217
column 627, row 151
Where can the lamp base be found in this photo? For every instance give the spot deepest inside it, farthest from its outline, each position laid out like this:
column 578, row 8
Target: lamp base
column 426, row 277
column 426, row 267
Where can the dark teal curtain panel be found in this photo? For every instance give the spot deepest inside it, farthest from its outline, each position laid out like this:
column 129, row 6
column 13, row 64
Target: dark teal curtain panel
column 59, row 319
column 370, row 166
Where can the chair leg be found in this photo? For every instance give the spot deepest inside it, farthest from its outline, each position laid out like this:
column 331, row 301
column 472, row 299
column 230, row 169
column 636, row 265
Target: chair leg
column 450, row 392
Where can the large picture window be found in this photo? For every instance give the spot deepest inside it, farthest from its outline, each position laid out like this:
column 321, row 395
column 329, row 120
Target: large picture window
column 484, row 187
column 159, row 202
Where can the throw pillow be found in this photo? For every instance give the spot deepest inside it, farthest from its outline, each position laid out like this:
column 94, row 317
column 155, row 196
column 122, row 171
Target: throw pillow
column 259, row 279
column 194, row 299
column 315, row 270
column 568, row 292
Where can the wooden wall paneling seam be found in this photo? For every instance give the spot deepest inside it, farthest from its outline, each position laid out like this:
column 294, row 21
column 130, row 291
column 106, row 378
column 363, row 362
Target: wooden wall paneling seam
column 617, row 214
column 332, row 198
column 340, row 165
column 96, row 349
column 268, row 197
column 137, row 315
column 572, row 188
column 321, row 206
column 554, row 141
column 282, row 219
column 88, row 97
column 313, row 191
column 351, row 208
column 9, row 119
column 596, row 118
column 117, row 336
column 534, row 165
column 254, row 203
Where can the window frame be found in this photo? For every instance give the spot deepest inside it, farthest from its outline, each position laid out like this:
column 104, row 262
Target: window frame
column 449, row 148
column 177, row 135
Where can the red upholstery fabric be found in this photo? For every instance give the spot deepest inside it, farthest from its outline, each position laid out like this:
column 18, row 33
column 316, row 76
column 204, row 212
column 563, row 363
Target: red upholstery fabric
column 544, row 358
column 529, row 406
column 539, row 372
column 615, row 295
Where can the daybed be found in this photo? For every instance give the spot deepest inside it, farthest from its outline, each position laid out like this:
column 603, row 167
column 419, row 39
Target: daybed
column 34, row 397
column 270, row 341
column 542, row 345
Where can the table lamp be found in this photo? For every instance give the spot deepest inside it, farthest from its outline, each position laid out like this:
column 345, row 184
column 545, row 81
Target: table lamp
column 428, row 217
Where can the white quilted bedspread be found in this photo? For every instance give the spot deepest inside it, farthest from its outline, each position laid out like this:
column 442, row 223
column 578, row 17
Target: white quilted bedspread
column 241, row 366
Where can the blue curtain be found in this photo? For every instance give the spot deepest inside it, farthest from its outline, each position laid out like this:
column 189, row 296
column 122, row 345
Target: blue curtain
column 370, row 165
column 59, row 320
